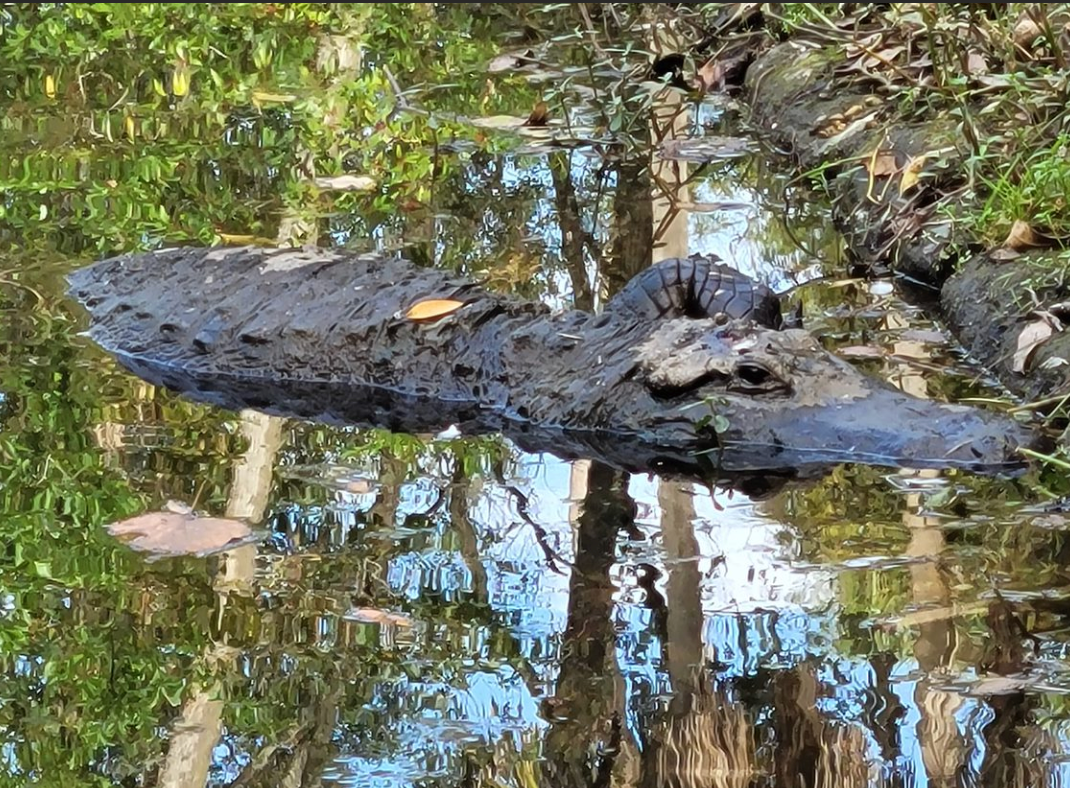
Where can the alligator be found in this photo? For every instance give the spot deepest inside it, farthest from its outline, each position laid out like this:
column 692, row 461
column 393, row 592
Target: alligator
column 689, row 367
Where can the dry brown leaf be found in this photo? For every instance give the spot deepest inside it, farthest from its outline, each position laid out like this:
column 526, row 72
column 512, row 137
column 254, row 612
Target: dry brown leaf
column 1026, row 31
column 433, row 308
column 710, row 76
column 976, row 63
column 882, row 57
column 910, row 173
column 1022, row 236
column 1033, row 336
column 881, row 163
column 179, row 533
column 830, row 125
column 539, row 116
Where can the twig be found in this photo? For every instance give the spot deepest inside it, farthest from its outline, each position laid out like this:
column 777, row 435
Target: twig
column 591, row 33
column 540, row 533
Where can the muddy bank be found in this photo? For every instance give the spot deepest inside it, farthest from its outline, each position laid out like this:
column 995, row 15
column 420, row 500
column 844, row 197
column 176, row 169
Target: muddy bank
column 889, row 180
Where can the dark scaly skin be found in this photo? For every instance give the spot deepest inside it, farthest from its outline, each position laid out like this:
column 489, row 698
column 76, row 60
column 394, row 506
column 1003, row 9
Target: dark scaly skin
column 324, row 335
column 699, row 286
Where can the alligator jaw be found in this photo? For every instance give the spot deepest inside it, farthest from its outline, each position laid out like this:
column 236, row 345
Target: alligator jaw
column 890, row 428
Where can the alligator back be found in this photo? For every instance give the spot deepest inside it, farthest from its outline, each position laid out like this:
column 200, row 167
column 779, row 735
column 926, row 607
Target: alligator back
column 305, row 314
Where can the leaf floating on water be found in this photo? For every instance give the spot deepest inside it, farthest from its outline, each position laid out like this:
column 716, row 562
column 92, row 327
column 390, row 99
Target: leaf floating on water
column 181, row 532
column 704, row 149
column 373, row 615
column 1002, row 685
column 433, row 308
column 1033, row 336
column 499, row 122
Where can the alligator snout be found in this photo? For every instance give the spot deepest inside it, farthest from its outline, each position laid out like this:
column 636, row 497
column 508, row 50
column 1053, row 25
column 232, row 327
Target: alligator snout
column 888, row 427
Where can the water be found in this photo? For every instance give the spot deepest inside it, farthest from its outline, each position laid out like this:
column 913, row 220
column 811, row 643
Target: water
column 433, row 610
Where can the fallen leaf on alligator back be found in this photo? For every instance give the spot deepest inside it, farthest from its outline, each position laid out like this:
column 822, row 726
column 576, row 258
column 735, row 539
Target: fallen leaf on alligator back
column 433, row 308
column 247, row 240
column 180, row 531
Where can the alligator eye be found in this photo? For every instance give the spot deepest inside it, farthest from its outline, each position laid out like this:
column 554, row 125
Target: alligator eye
column 720, row 319
column 751, row 377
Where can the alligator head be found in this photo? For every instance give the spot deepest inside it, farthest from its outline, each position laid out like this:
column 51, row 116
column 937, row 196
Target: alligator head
column 777, row 398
